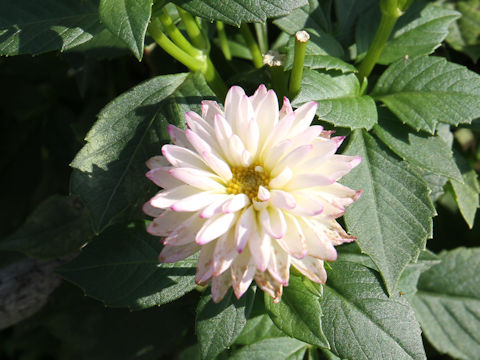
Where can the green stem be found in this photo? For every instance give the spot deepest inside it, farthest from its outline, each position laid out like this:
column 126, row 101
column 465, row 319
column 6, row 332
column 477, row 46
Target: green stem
column 252, row 45
column 155, row 30
column 193, row 30
column 262, row 38
column 176, row 35
column 301, row 39
column 222, row 37
column 215, row 81
column 383, row 33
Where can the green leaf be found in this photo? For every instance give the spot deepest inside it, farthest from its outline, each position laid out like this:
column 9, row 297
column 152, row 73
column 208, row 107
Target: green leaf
column 120, row 267
column 33, row 27
column 322, row 52
column 282, row 348
column 464, row 33
column 447, row 303
column 348, row 12
column 339, row 99
column 237, row 11
column 361, row 322
column 218, row 325
column 466, row 192
column 393, row 218
column 426, row 90
column 419, row 32
column 57, row 227
column 127, row 19
column 429, row 153
column 298, row 314
column 109, row 170
column 258, row 328
column 309, row 16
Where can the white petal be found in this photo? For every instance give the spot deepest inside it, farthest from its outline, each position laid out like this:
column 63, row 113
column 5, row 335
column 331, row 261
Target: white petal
column 232, row 105
column 278, row 134
column 220, row 286
column 306, row 204
column 215, row 207
column 243, row 271
column 332, row 230
column 185, row 232
column 318, row 244
column 294, row 240
column 156, row 162
column 244, row 116
column 204, row 264
column 178, row 137
column 307, row 136
column 266, row 114
column 258, row 96
column 263, row 193
column 218, row 165
column 303, row 117
column 286, row 108
column 200, row 144
column 224, row 254
column 282, row 179
column 198, row 178
column 282, row 199
column 214, row 227
column 259, row 245
column 269, row 285
column 276, row 153
column 253, row 138
column 243, row 228
column 292, row 159
column 236, row 150
column 308, row 180
column 148, row 209
column 167, row 198
column 197, row 123
column 223, row 132
column 273, row 222
column 161, row 177
column 196, row 202
column 279, row 266
column 338, row 165
column 166, row 223
column 236, row 203
column 171, row 254
column 312, row 268
column 182, row 157
column 209, row 110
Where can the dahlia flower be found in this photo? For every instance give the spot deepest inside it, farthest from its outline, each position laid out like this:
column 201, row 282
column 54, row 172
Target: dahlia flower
column 254, row 189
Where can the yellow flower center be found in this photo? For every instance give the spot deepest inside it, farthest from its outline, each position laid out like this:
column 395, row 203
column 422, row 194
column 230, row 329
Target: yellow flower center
column 247, row 181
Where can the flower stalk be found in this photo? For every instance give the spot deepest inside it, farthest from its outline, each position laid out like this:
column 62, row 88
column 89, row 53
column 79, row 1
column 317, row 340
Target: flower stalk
column 252, row 45
column 193, row 29
column 391, row 10
column 262, row 36
column 301, row 39
column 222, row 36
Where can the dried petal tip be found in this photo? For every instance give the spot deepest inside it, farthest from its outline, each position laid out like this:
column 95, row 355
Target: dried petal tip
column 254, row 189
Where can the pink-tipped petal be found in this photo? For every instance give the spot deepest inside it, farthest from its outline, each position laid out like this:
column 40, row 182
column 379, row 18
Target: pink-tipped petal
column 220, row 286
column 171, row 254
column 214, row 227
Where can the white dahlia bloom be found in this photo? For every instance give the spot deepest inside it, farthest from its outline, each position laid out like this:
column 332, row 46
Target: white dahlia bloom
column 254, row 189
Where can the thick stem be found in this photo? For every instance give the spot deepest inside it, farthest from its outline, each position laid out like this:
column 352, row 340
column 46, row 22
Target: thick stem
column 176, row 35
column 155, row 30
column 262, row 37
column 222, row 37
column 193, row 30
column 252, row 45
column 301, row 39
column 383, row 33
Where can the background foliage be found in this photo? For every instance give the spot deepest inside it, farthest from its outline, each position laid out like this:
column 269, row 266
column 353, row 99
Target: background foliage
column 86, row 99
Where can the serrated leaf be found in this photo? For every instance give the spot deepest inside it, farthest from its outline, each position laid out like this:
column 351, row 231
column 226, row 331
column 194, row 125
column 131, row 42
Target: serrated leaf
column 348, row 12
column 128, row 20
column 464, row 33
column 57, row 227
column 322, row 52
column 282, row 348
column 218, row 325
column 423, row 91
column 33, row 27
column 419, row 32
column 429, row 153
column 298, row 314
column 237, row 11
column 109, row 170
column 339, row 99
column 120, row 267
column 466, row 192
column 393, row 218
column 309, row 16
column 447, row 303
column 362, row 322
